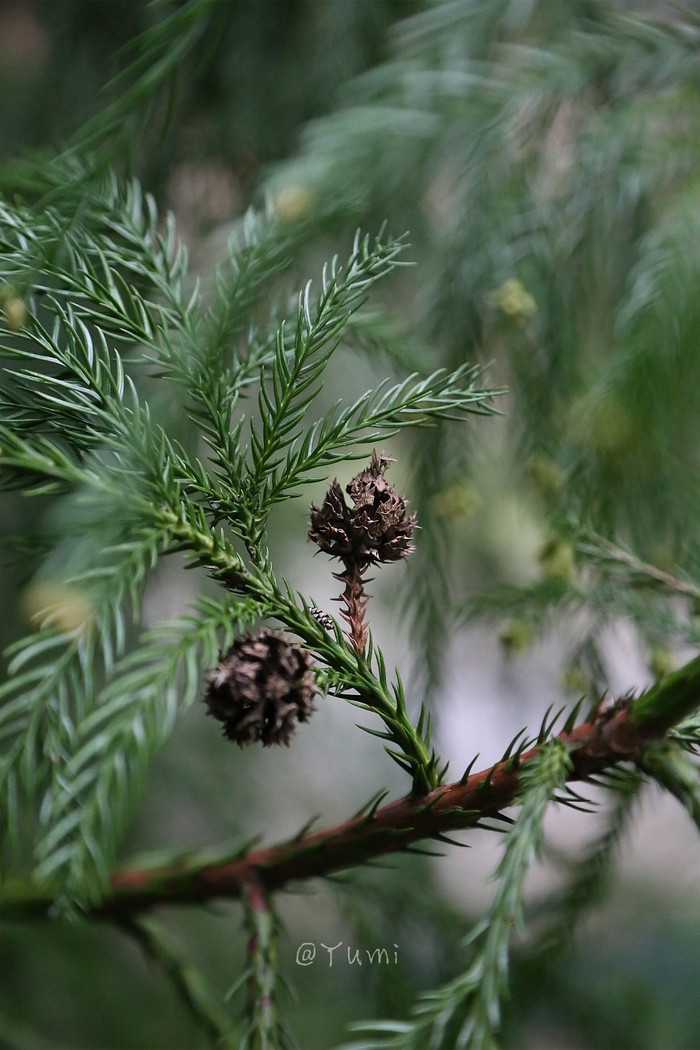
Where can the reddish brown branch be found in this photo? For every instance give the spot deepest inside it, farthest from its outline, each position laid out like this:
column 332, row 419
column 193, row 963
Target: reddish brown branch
column 355, row 600
column 614, row 733
column 594, row 746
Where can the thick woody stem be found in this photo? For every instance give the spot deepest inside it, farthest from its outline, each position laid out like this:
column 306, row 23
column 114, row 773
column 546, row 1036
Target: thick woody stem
column 355, row 601
column 617, row 733
column 593, row 746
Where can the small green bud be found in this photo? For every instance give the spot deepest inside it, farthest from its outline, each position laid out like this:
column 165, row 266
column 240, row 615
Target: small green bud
column 557, row 559
column 663, row 557
column 516, row 635
column 546, row 474
column 514, row 301
column 458, row 502
column 14, row 309
column 293, row 202
column 66, row 608
column 660, row 662
column 600, row 421
column 575, row 680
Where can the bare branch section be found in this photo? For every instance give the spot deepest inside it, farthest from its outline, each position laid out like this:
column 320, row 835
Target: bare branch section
column 616, row 732
column 594, row 746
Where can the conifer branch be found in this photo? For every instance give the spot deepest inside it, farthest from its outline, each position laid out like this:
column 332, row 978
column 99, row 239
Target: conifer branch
column 640, row 572
column 589, row 875
column 361, row 678
column 125, row 469
column 157, row 53
column 538, row 245
column 673, row 769
column 103, row 771
column 261, row 1010
column 667, row 703
column 608, row 738
column 466, row 1013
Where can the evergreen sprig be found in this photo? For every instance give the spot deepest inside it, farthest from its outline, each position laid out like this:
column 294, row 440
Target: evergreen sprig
column 588, row 876
column 74, row 421
column 127, row 722
column 465, row 1014
column 155, row 415
column 264, row 1030
column 544, row 183
column 676, row 771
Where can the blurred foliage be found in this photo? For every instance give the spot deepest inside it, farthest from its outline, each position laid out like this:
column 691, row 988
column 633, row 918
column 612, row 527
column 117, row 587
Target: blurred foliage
column 262, row 68
column 543, row 155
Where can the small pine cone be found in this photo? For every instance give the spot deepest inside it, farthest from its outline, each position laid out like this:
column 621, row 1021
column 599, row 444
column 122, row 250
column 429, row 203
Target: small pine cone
column 332, row 525
column 261, row 688
column 375, row 529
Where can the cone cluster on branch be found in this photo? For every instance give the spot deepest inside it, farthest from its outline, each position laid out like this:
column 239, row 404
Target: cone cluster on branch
column 375, row 529
column 261, row 688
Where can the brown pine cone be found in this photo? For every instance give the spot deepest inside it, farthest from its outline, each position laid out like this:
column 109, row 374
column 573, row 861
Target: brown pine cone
column 375, row 529
column 261, row 688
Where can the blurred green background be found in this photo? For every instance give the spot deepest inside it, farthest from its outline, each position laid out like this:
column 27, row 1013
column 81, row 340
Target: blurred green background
column 543, row 155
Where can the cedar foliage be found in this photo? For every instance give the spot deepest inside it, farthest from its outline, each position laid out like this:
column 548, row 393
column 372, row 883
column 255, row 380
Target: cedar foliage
column 542, row 156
